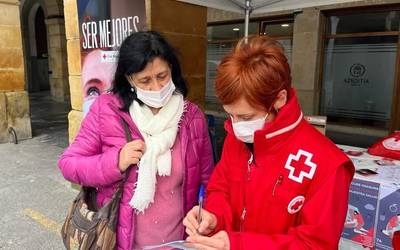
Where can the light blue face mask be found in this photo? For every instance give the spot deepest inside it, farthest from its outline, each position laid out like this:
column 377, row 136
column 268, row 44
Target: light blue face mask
column 244, row 130
column 87, row 102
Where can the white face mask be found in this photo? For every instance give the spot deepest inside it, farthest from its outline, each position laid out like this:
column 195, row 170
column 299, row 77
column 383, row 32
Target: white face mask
column 244, row 130
column 156, row 99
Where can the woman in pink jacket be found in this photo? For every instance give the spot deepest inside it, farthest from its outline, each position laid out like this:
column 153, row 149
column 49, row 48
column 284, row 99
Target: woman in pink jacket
column 170, row 154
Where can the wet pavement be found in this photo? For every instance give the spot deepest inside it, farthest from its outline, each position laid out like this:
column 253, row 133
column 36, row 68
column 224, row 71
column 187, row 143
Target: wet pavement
column 49, row 119
column 34, row 196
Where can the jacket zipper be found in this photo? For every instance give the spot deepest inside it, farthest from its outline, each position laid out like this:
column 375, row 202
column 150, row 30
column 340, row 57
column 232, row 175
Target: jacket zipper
column 134, row 218
column 277, row 183
column 184, row 145
column 244, row 210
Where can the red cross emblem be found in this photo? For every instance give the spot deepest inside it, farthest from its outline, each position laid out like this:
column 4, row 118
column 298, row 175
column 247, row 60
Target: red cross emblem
column 104, row 56
column 300, row 166
column 295, row 204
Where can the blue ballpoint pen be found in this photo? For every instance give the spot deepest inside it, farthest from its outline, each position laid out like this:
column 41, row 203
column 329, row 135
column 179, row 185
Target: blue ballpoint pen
column 201, row 199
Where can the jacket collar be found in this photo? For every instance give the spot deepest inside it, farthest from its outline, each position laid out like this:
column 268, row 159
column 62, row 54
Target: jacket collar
column 287, row 119
column 116, row 104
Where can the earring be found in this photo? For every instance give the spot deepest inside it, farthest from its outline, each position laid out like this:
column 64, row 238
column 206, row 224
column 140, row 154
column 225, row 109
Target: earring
column 132, row 90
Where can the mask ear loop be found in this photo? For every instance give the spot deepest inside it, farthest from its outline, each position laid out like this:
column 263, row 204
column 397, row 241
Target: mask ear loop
column 272, row 109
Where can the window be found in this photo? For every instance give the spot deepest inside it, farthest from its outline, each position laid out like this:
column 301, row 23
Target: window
column 215, row 52
column 282, row 31
column 360, row 68
column 222, row 38
column 229, row 31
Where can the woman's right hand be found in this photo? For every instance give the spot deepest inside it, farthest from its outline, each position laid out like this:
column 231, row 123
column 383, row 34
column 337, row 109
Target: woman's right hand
column 130, row 154
column 206, row 226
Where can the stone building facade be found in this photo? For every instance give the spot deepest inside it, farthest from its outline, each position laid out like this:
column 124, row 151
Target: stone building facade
column 23, row 59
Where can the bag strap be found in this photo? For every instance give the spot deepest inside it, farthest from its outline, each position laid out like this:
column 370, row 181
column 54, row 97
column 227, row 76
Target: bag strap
column 128, row 137
column 91, row 191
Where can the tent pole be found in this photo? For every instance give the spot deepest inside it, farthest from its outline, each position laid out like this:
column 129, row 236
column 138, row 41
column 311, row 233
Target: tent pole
column 246, row 20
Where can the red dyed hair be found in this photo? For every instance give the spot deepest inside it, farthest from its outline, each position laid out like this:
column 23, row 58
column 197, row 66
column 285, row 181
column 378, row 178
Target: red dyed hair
column 256, row 70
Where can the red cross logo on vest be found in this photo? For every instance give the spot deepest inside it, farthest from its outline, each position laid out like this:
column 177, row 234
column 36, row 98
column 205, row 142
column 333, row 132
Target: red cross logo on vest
column 300, row 166
column 295, row 204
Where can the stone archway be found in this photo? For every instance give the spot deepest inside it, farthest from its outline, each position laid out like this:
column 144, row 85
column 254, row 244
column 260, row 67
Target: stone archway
column 56, row 46
column 39, row 66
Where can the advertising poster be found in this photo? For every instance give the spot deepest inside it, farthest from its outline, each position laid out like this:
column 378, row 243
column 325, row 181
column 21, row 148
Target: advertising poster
column 103, row 25
column 360, row 221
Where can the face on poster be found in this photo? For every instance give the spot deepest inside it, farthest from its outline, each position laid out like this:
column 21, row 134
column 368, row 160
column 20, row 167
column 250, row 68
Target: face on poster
column 103, row 25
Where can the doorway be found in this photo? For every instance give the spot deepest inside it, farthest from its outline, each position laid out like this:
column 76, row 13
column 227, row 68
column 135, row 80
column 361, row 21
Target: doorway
column 39, row 73
column 42, row 27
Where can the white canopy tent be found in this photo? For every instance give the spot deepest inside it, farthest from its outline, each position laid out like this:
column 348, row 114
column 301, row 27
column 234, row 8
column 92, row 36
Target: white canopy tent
column 262, row 6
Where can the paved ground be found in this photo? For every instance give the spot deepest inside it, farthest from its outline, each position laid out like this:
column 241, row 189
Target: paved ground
column 33, row 195
column 49, row 119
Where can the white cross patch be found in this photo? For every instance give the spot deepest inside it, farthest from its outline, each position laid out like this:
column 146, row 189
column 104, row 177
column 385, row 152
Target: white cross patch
column 309, row 173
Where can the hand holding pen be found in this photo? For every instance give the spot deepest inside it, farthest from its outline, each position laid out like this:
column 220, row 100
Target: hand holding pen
column 199, row 220
column 201, row 199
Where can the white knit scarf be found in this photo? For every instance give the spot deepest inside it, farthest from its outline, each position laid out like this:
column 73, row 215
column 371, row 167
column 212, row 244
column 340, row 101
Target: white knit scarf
column 159, row 132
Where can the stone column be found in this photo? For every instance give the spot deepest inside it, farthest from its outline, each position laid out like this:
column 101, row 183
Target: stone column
column 185, row 27
column 14, row 101
column 57, row 59
column 305, row 59
column 74, row 66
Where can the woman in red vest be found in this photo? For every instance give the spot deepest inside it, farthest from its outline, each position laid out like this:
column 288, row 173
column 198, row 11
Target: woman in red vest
column 280, row 184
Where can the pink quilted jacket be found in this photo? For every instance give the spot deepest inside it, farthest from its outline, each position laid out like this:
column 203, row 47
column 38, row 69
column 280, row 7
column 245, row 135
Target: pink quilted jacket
column 92, row 159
